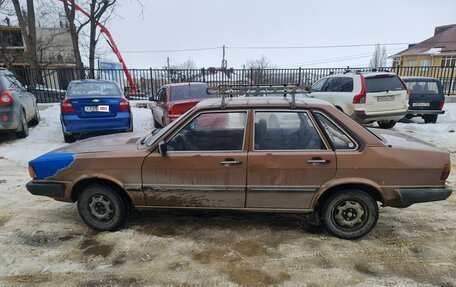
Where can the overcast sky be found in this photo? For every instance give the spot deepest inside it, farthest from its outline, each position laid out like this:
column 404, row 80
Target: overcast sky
column 183, row 24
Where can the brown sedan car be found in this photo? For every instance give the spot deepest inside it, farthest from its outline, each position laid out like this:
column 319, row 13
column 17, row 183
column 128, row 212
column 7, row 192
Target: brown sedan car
column 268, row 154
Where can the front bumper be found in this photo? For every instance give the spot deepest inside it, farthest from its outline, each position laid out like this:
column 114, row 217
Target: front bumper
column 49, row 189
column 416, row 195
column 425, row 112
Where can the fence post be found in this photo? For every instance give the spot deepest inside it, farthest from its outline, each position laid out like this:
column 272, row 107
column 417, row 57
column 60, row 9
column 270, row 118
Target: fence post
column 451, row 79
column 299, row 77
column 151, row 83
column 203, row 71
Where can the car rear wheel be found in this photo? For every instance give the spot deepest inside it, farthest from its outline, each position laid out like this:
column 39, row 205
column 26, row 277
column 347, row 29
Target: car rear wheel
column 386, row 124
column 102, row 208
column 349, row 214
column 430, row 119
column 24, row 130
column 68, row 138
column 36, row 120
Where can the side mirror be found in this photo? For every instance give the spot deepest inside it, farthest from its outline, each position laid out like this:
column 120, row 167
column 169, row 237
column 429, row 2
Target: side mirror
column 152, row 98
column 162, row 149
column 308, row 89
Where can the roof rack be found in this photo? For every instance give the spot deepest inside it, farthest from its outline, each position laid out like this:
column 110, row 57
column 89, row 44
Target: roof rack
column 255, row 90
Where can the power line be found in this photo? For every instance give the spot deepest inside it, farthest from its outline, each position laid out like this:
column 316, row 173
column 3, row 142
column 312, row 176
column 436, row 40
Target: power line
column 316, row 46
column 171, row 51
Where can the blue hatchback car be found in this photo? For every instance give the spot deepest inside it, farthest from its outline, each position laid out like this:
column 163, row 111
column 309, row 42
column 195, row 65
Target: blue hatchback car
column 94, row 106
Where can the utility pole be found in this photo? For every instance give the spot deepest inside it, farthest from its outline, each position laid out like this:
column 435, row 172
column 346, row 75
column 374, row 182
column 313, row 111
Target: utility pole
column 224, row 62
column 167, row 62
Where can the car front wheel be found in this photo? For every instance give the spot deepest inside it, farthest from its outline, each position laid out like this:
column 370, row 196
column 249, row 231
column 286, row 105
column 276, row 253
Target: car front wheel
column 102, row 208
column 349, row 214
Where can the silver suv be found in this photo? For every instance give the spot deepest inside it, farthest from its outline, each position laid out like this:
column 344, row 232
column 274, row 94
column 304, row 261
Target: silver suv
column 366, row 97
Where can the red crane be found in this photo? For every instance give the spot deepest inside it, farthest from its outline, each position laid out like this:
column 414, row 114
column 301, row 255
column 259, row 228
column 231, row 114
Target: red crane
column 111, row 42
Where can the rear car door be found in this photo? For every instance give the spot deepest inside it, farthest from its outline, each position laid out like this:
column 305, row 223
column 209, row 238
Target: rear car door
column 157, row 107
column 18, row 92
column 289, row 161
column 205, row 165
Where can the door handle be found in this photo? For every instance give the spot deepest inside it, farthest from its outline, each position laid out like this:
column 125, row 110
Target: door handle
column 230, row 161
column 318, row 160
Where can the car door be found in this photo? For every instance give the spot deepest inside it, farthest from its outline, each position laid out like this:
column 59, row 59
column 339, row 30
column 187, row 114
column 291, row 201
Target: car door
column 205, row 164
column 157, row 106
column 289, row 160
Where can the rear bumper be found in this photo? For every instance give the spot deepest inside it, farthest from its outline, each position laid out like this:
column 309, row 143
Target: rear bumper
column 416, row 195
column 425, row 112
column 74, row 124
column 362, row 117
column 13, row 121
column 49, row 189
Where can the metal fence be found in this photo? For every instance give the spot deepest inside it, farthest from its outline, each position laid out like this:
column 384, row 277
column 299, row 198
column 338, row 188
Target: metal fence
column 49, row 84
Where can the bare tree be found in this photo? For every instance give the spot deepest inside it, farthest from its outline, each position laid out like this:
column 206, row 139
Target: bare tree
column 378, row 57
column 70, row 13
column 258, row 70
column 27, row 23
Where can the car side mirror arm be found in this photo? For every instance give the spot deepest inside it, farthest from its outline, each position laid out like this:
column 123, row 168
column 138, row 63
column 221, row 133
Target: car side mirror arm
column 162, row 148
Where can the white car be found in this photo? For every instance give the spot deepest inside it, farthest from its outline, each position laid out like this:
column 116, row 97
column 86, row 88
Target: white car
column 366, row 97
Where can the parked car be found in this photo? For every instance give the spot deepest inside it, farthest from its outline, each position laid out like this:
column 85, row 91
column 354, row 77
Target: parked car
column 18, row 108
column 174, row 100
column 316, row 160
column 380, row 97
column 94, row 106
column 426, row 98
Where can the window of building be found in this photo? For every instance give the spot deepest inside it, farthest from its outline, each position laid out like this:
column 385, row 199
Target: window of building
column 410, row 63
column 448, row 61
column 425, row 63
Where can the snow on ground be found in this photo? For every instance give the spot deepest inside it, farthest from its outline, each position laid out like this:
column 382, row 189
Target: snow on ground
column 44, row 242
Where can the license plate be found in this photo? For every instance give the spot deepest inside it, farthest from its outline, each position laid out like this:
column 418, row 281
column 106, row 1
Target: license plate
column 90, row 109
column 385, row 98
column 420, row 104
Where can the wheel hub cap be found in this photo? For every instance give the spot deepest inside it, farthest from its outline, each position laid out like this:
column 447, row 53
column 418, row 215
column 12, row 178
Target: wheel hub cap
column 349, row 213
column 101, row 207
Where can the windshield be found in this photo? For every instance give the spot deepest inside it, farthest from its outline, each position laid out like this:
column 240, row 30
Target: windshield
column 423, row 87
column 186, row 92
column 93, row 89
column 384, row 83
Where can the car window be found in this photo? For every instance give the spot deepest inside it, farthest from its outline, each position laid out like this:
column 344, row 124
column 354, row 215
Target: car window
column 345, row 84
column 331, row 85
column 186, row 92
column 93, row 89
column 211, row 132
column 161, row 95
column 338, row 137
column 285, row 131
column 13, row 83
column 423, row 87
column 318, row 85
column 383, row 83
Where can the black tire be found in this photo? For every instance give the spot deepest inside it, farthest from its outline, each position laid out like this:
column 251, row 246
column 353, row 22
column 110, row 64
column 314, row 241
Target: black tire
column 24, row 130
column 349, row 214
column 102, row 208
column 430, row 119
column 68, row 138
column 386, row 124
column 36, row 119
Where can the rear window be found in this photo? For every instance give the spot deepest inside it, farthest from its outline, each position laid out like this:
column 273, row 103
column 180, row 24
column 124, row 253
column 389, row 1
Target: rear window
column 383, row 83
column 423, row 87
column 94, row 89
column 186, row 92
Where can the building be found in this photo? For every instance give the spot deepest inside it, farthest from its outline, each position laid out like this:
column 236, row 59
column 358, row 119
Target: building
column 433, row 57
column 54, row 47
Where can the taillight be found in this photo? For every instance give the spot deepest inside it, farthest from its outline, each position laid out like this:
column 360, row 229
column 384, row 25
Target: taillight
column 66, row 107
column 178, row 109
column 361, row 97
column 6, row 98
column 124, row 105
column 406, row 88
column 445, row 172
column 441, row 104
